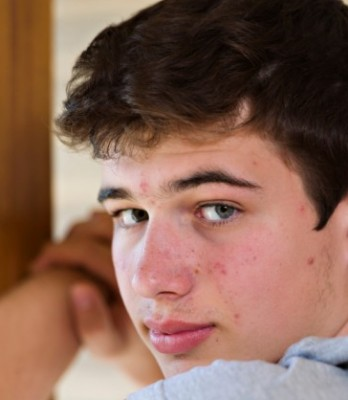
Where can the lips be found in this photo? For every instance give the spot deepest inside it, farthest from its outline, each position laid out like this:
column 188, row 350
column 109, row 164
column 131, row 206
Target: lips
column 177, row 337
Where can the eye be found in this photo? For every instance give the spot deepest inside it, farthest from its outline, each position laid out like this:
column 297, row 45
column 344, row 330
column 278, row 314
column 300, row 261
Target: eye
column 217, row 213
column 131, row 217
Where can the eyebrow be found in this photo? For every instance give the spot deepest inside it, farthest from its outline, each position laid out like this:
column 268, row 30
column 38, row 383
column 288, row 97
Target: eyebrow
column 113, row 193
column 193, row 181
column 211, row 176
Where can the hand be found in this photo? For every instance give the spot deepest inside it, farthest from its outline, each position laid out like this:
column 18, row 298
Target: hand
column 37, row 335
column 87, row 246
column 111, row 335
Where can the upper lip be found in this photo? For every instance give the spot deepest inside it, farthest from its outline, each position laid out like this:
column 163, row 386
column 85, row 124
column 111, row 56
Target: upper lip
column 170, row 327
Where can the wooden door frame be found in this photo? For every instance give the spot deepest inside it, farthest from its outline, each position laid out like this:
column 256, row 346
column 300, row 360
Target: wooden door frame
column 25, row 81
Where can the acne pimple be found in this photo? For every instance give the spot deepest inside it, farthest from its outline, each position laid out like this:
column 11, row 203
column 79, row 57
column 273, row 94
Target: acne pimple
column 144, row 186
column 221, row 268
column 310, row 261
column 237, row 316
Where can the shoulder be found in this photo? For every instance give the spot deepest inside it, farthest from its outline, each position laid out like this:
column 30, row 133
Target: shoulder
column 312, row 369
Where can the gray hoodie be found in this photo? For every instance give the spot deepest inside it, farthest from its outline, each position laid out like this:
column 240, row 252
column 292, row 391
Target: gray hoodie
column 313, row 369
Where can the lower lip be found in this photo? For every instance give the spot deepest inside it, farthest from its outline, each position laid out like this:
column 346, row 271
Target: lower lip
column 179, row 342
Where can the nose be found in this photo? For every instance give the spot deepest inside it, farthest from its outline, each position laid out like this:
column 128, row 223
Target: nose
column 164, row 263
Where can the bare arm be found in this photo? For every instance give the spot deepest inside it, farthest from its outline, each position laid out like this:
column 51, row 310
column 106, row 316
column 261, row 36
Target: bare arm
column 37, row 337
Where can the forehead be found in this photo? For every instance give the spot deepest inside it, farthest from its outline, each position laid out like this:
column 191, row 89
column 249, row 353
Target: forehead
column 244, row 155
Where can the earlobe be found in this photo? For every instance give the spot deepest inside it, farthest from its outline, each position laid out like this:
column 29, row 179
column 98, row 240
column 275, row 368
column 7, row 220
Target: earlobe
column 340, row 216
column 344, row 214
column 337, row 231
column 339, row 244
column 344, row 218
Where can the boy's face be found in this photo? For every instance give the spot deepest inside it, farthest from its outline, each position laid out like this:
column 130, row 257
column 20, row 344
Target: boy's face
column 216, row 255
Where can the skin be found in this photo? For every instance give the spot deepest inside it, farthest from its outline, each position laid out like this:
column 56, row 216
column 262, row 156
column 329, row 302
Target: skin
column 37, row 335
column 255, row 275
column 100, row 320
column 234, row 254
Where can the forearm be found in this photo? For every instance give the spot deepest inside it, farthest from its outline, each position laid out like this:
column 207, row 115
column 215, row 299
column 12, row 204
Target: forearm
column 37, row 337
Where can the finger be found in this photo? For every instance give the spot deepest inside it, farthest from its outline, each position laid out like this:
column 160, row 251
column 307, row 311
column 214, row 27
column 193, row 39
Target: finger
column 94, row 322
column 98, row 225
column 84, row 254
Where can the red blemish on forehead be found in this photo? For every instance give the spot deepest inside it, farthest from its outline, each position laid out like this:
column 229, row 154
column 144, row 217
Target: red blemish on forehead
column 144, row 186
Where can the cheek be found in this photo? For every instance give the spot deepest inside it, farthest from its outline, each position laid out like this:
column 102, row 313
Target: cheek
column 219, row 269
column 125, row 289
column 237, row 264
column 122, row 270
column 264, row 279
column 122, row 252
column 250, row 271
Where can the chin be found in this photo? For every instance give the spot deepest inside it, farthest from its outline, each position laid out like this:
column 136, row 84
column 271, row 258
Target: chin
column 179, row 364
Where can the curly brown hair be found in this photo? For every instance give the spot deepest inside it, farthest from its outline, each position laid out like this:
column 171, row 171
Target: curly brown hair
column 186, row 63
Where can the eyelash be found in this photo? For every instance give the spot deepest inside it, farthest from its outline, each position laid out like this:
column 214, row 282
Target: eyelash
column 117, row 215
column 218, row 223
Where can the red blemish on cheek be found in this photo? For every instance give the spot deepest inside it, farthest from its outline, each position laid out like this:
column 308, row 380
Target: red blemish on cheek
column 310, row 261
column 220, row 268
column 237, row 317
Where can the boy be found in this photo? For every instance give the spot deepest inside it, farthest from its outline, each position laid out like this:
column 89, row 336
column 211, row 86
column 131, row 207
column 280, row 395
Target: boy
column 222, row 130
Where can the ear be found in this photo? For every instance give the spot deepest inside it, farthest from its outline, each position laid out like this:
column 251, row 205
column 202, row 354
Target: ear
column 344, row 218
column 339, row 217
column 338, row 225
column 337, row 231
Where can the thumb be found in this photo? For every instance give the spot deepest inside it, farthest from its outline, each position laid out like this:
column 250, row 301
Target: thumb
column 94, row 322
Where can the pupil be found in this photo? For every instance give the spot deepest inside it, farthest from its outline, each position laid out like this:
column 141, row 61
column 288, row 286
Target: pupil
column 224, row 211
column 139, row 215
